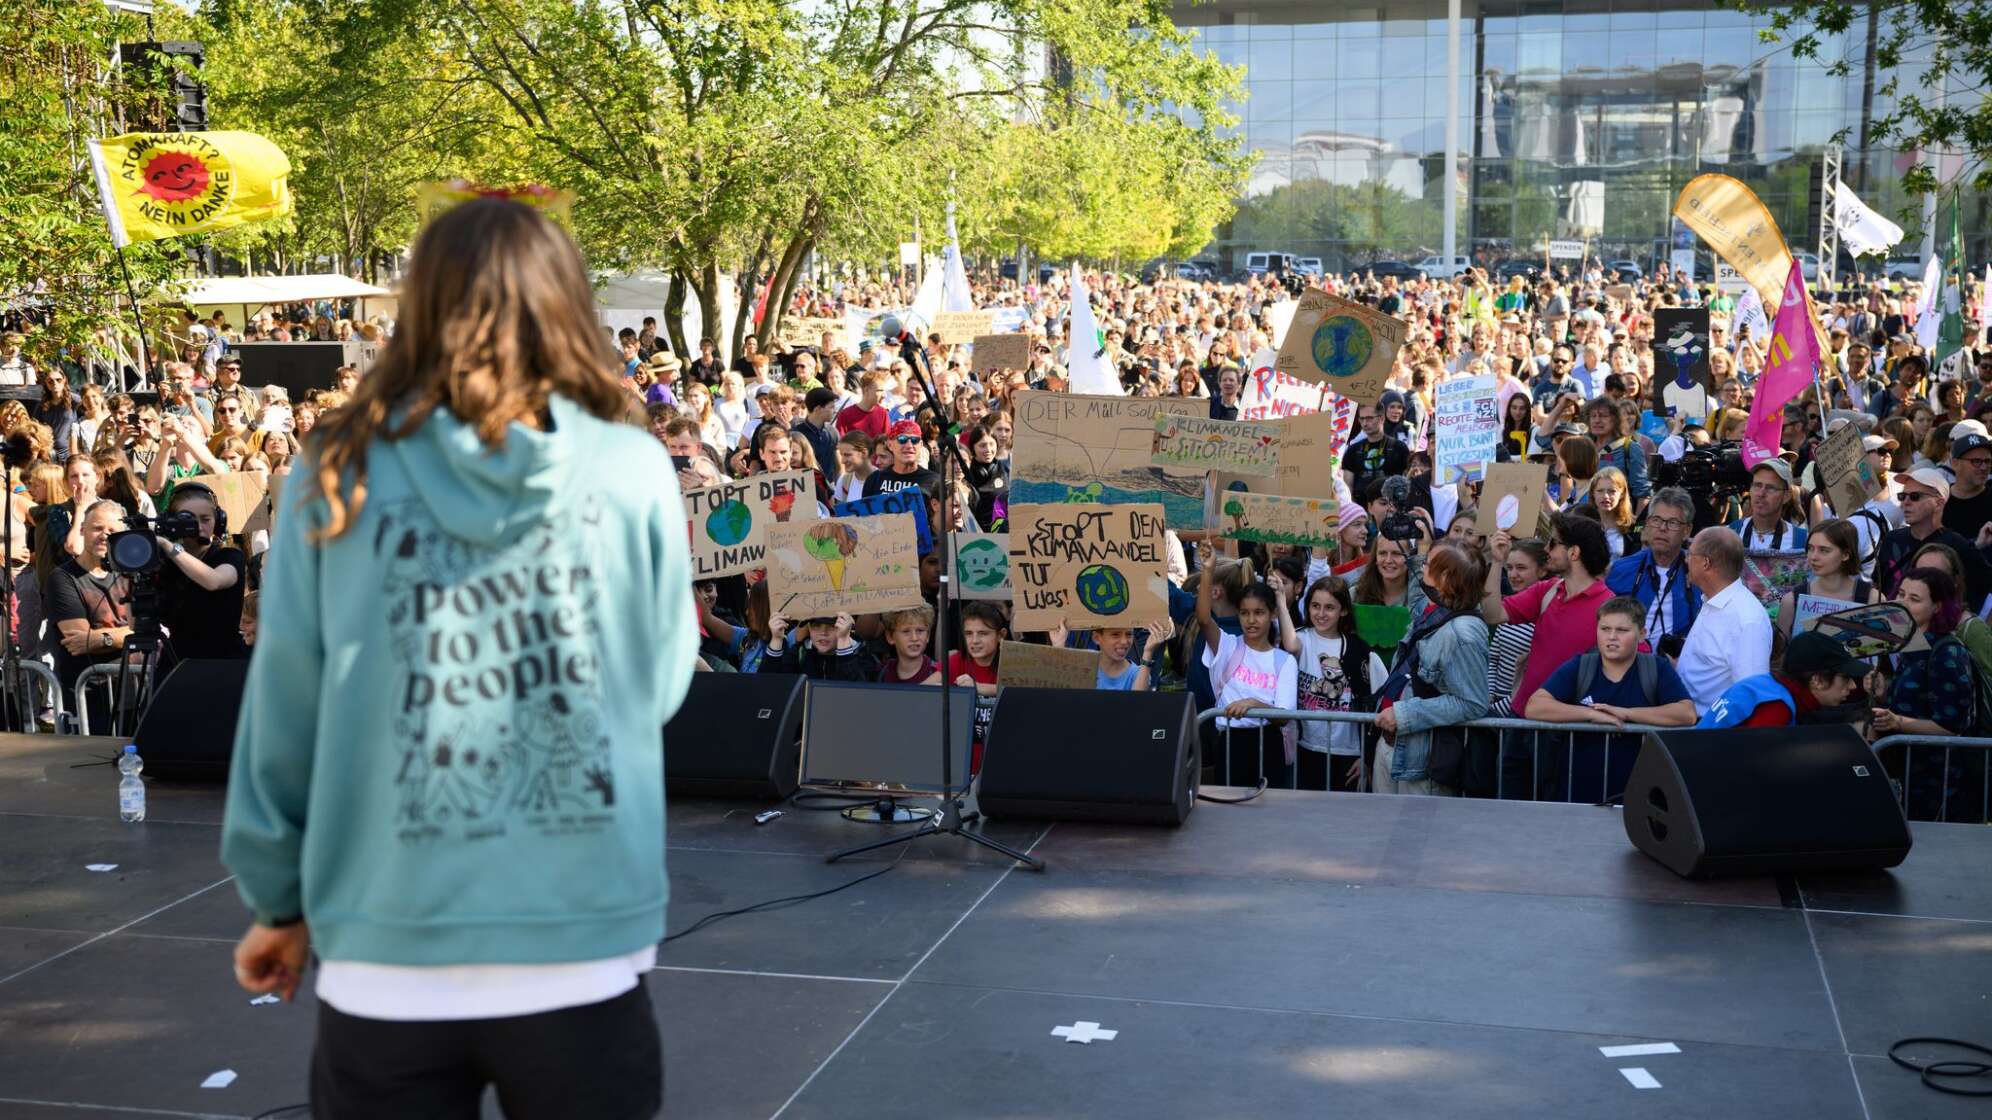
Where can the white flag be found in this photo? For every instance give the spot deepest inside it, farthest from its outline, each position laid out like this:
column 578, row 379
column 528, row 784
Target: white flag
column 1862, row 230
column 1088, row 370
column 1749, row 314
column 955, row 295
column 1929, row 311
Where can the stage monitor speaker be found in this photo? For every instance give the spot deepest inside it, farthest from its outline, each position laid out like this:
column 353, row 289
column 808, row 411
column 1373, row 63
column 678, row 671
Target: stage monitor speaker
column 1758, row 801
column 1085, row 755
column 188, row 730
column 737, row 735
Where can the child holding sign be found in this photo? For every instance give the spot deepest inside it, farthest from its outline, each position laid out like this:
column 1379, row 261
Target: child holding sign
column 1116, row 672
column 1248, row 670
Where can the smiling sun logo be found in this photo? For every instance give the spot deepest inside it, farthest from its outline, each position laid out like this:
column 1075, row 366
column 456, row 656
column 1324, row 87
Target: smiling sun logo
column 175, row 176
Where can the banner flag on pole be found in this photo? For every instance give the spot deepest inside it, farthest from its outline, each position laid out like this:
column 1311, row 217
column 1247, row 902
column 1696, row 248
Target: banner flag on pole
column 1862, row 230
column 1088, row 369
column 156, row 185
column 1950, row 328
column 955, row 295
column 1791, row 362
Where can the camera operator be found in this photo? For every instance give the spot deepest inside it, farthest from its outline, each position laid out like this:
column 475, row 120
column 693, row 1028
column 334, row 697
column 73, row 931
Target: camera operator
column 201, row 581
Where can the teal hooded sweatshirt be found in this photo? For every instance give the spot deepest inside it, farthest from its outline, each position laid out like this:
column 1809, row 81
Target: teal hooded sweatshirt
column 450, row 746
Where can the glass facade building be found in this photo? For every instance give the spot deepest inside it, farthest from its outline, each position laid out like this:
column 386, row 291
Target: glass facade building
column 1579, row 119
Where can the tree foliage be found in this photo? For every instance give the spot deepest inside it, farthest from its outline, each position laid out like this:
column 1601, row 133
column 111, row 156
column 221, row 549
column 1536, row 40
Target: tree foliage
column 1932, row 60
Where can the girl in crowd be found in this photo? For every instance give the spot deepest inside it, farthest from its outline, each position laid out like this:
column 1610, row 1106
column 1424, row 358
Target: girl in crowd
column 90, row 419
column 1439, row 679
column 1337, row 671
column 1576, row 465
column 1933, row 694
column 1189, row 383
column 732, row 409
column 698, row 406
column 1390, row 578
column 1517, row 427
column 1833, row 556
column 989, row 477
column 1248, row 670
column 1611, row 496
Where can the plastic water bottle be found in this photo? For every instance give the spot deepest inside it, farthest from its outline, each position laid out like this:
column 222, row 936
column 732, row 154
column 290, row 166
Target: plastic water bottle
column 131, row 788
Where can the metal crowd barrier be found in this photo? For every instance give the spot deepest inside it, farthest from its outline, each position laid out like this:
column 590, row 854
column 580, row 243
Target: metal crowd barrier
column 108, row 673
column 32, row 668
column 1960, row 793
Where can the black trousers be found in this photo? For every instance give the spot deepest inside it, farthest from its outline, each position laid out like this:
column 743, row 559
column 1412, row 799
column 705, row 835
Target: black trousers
column 602, row 1060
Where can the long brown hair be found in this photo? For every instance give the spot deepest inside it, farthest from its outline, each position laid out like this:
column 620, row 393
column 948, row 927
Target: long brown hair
column 496, row 316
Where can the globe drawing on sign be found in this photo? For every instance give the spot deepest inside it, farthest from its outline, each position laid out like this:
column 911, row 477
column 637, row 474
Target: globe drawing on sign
column 1102, row 590
column 729, row 524
column 982, row 565
column 1342, row 346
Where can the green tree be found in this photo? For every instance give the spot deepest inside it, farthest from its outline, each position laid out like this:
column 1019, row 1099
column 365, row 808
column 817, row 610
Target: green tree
column 1917, row 50
column 56, row 257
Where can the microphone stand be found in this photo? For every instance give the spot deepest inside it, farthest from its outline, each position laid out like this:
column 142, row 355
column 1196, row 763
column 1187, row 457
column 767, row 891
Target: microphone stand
column 950, row 819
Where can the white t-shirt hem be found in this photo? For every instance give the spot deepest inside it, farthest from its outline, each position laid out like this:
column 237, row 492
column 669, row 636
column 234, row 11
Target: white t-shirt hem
column 403, row 993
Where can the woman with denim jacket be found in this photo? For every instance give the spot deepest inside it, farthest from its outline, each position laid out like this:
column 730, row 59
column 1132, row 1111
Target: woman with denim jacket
column 1440, row 675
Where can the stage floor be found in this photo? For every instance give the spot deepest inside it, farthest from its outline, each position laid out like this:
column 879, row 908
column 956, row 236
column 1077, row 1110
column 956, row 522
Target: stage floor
column 1303, row 955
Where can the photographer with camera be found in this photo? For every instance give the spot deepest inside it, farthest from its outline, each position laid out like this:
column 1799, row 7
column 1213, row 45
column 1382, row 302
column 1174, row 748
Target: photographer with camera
column 183, row 453
column 201, row 582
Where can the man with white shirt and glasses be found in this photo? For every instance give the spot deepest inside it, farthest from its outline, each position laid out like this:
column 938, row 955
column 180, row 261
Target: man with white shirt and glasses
column 1731, row 638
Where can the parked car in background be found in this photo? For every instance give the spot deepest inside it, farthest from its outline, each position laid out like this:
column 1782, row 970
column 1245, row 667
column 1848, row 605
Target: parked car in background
column 1398, row 269
column 1307, row 266
column 1436, row 268
column 1627, row 271
column 1904, row 268
column 1197, row 270
column 1258, row 264
column 1523, row 267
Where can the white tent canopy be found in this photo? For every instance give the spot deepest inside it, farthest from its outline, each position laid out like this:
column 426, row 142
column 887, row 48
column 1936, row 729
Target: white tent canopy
column 623, row 301
column 246, row 295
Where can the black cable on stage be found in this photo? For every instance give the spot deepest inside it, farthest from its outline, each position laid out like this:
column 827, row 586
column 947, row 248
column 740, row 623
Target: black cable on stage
column 1253, row 796
column 1952, row 1069
column 776, row 903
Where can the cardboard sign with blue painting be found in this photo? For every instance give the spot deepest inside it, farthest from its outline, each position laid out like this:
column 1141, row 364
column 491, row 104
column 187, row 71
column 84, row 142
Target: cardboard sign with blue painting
column 1350, row 347
column 912, row 500
column 1466, row 425
column 1072, row 448
column 1272, row 519
column 1681, row 386
column 730, row 522
column 982, row 566
column 1083, row 566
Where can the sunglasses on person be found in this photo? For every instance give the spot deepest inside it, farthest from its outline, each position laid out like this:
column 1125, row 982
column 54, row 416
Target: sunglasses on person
column 906, row 439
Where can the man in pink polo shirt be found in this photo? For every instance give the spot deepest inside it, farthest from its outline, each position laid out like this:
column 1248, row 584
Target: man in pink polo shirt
column 1564, row 607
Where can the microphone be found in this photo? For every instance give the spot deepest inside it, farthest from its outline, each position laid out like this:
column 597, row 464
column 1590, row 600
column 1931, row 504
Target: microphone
column 892, row 330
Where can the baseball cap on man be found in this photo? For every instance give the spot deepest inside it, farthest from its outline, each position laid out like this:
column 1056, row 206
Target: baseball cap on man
column 1930, row 477
column 1968, row 443
column 1878, row 443
column 1777, row 467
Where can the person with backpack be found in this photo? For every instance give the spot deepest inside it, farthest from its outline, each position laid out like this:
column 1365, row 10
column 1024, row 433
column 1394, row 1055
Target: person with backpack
column 1819, row 682
column 1438, row 681
column 1935, row 693
column 1614, row 684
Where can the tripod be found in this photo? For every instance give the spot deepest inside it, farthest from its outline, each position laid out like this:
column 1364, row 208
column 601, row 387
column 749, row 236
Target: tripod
column 144, row 642
column 950, row 818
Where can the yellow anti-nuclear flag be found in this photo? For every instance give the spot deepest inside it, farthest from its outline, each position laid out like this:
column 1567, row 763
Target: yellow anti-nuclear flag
column 156, row 185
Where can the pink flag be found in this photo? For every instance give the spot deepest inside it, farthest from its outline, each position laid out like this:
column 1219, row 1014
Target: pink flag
column 1789, row 364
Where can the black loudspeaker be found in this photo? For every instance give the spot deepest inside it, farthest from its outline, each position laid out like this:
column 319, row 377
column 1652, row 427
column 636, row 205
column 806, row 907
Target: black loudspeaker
column 188, row 730
column 737, row 735
column 1761, row 801
column 1084, row 755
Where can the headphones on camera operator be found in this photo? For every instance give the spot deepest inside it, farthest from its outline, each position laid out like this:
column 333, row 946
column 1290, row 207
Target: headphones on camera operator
column 202, row 489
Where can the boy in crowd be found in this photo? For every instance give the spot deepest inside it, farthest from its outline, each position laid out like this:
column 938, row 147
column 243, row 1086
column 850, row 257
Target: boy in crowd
column 906, row 631
column 983, row 627
column 1819, row 683
column 828, row 653
column 1116, row 673
column 1614, row 685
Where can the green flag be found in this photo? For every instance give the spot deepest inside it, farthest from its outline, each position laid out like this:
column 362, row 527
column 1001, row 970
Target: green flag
column 1950, row 329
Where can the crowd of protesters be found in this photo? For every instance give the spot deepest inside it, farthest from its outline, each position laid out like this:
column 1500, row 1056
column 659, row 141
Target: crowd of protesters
column 1624, row 605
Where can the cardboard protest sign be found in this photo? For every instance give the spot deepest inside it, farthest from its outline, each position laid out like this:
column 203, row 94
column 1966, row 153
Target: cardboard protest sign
column 1268, row 393
column 982, row 566
column 798, row 331
column 1349, row 347
column 961, row 326
column 1029, row 665
column 1272, row 519
column 911, row 500
column 1073, row 448
column 1310, row 449
column 1197, row 443
column 1681, row 383
column 1769, row 575
column 730, row 521
column 1871, row 630
column 1085, row 565
column 1620, row 292
column 1844, row 472
column 1808, row 609
column 1466, row 427
column 1511, row 498
column 847, row 565
column 1002, row 351
column 240, row 494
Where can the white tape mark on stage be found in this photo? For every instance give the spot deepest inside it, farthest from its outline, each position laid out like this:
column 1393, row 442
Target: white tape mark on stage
column 1639, row 1051
column 219, row 1079
column 1640, row 1078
